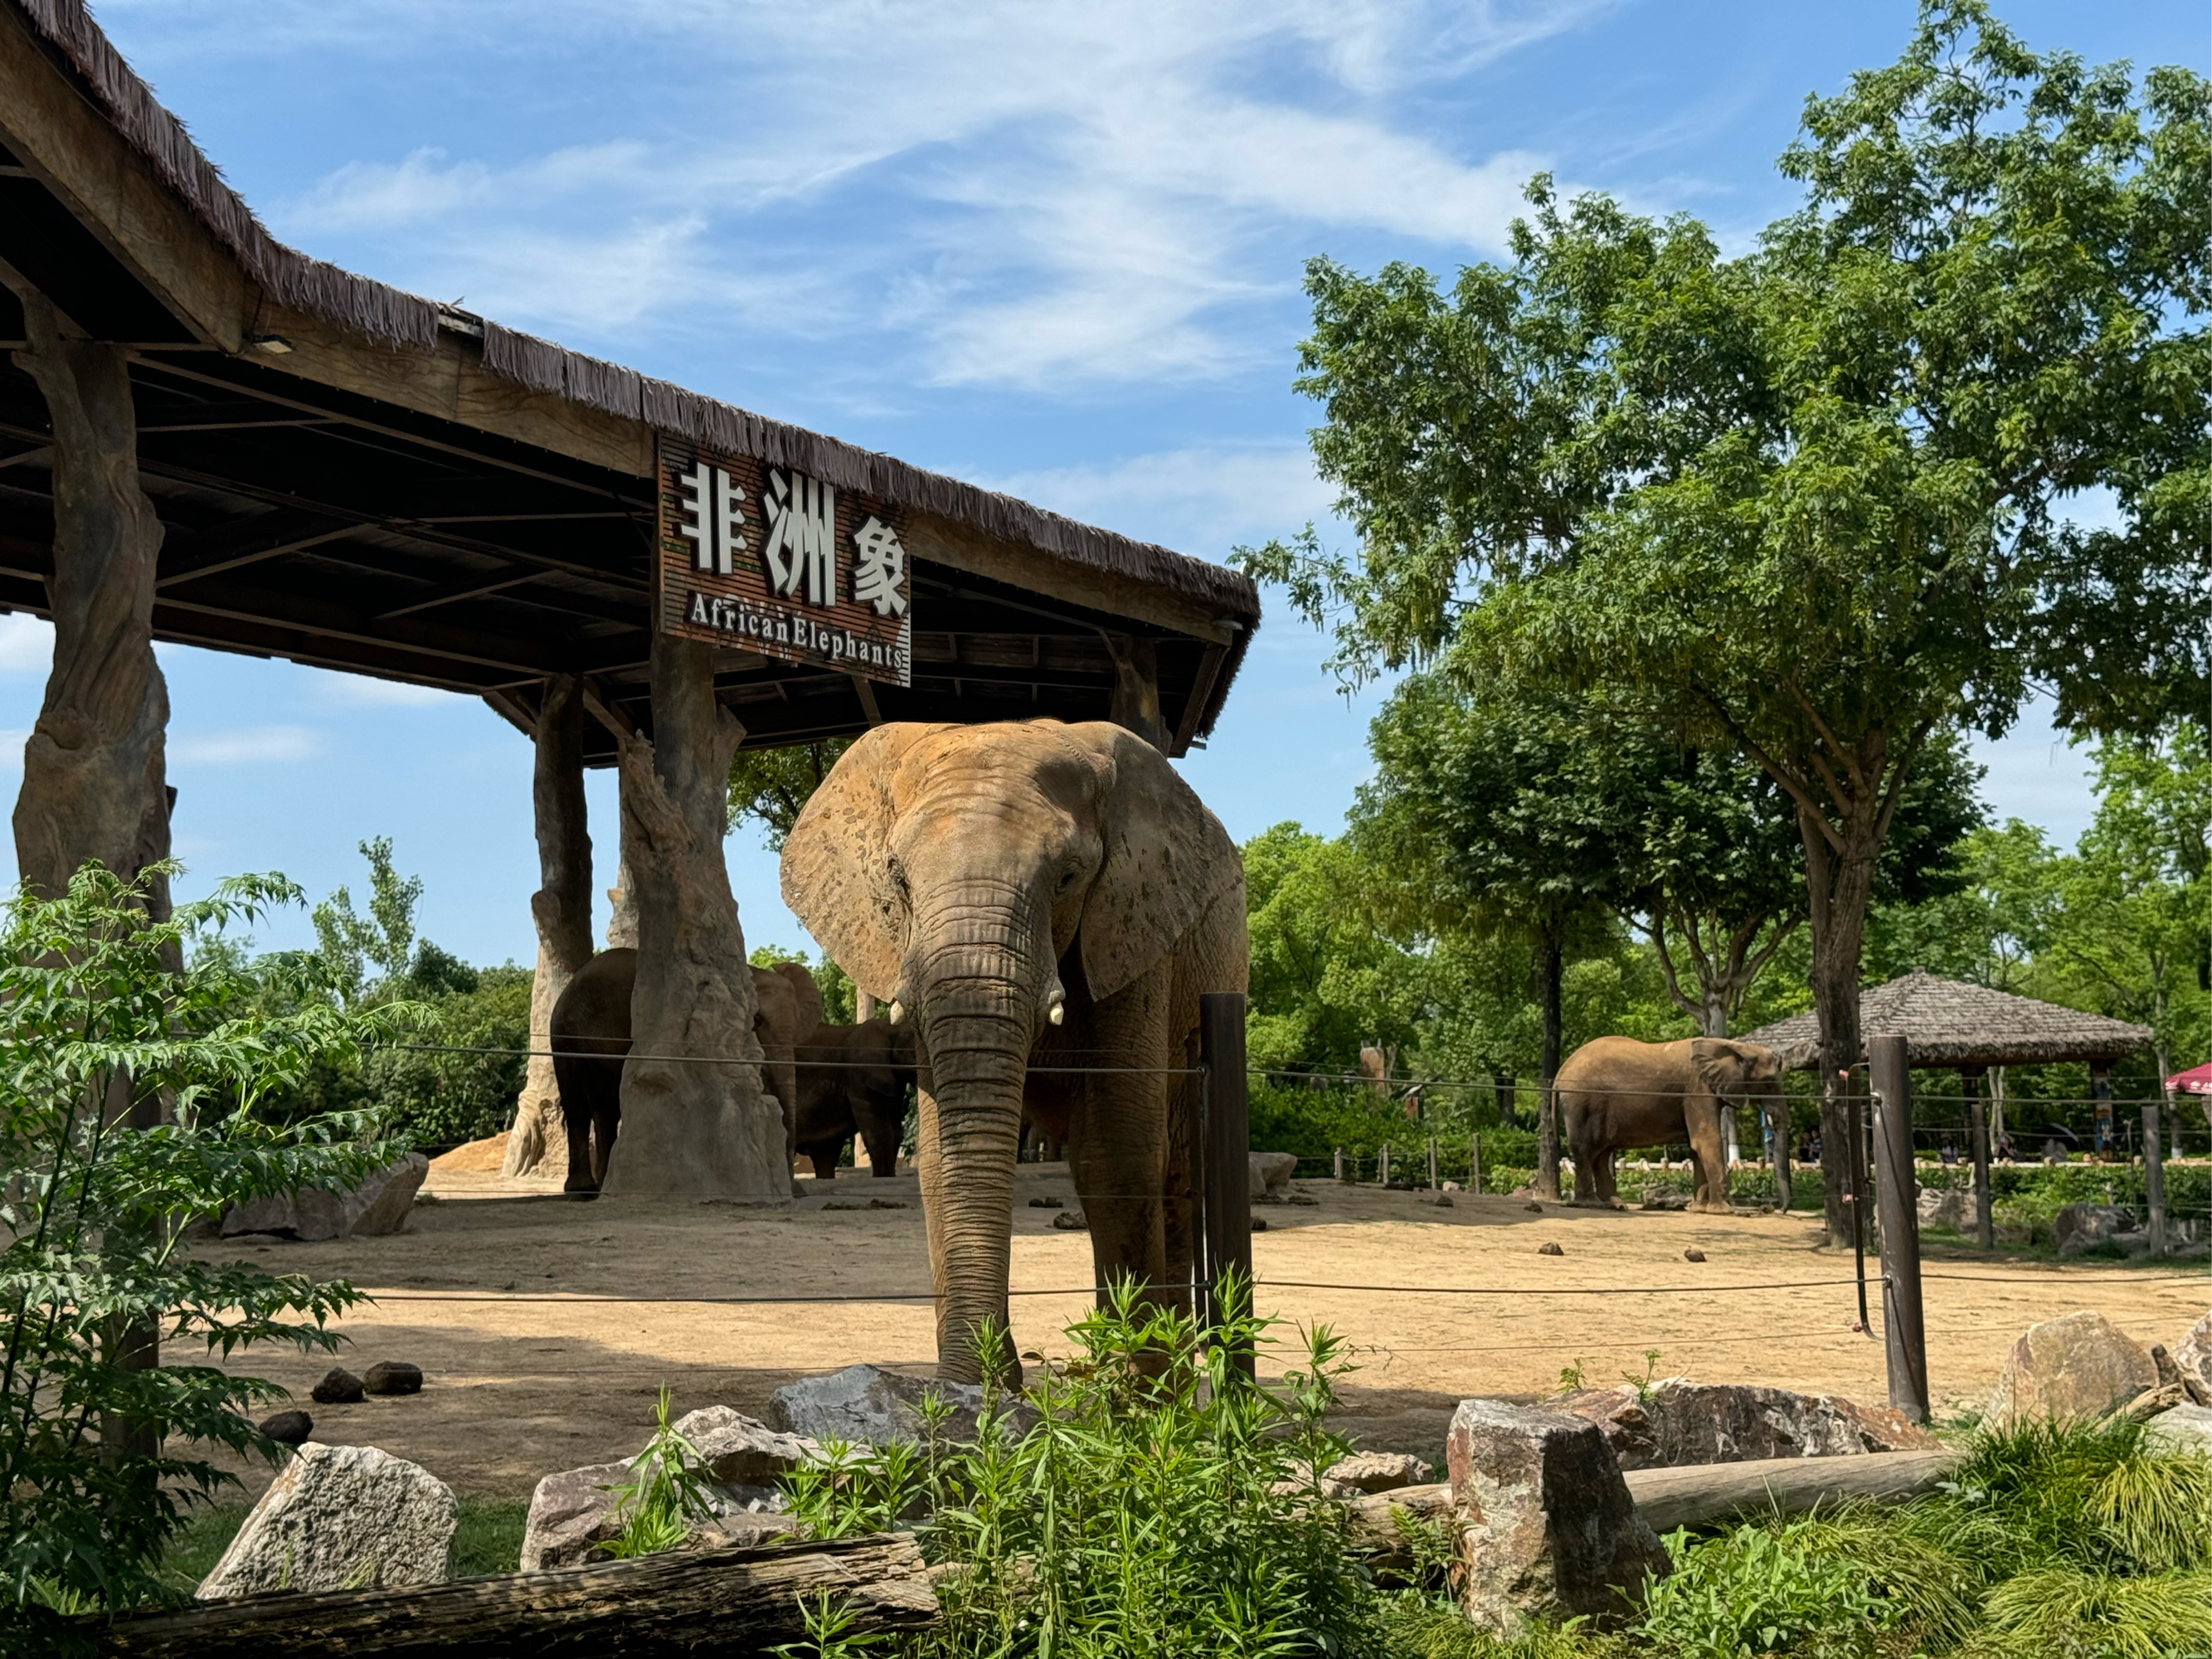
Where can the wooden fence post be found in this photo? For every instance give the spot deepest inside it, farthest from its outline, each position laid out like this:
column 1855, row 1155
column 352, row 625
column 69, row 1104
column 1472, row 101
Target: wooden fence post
column 1904, row 1336
column 1228, row 1198
column 1382, row 1168
column 1432, row 1163
column 1340, row 1166
column 2153, row 1178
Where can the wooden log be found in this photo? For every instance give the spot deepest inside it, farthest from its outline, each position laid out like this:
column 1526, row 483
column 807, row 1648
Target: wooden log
column 734, row 1601
column 1696, row 1495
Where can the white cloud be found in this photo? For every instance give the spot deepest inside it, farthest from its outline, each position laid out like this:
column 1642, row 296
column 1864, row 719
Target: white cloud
column 1202, row 501
column 362, row 691
column 250, row 745
column 27, row 644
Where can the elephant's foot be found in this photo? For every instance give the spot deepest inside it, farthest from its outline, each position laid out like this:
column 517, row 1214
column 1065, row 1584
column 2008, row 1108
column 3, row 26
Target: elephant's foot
column 1709, row 1206
column 582, row 1193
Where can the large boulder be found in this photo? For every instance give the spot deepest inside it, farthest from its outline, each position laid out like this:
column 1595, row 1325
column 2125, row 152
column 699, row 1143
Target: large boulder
column 1547, row 1530
column 2079, row 1227
column 1942, row 1207
column 1270, row 1174
column 865, row 1405
column 2193, row 1353
column 340, row 1517
column 2077, row 1366
column 2184, row 1429
column 1680, row 1423
column 573, row 1513
column 380, row 1205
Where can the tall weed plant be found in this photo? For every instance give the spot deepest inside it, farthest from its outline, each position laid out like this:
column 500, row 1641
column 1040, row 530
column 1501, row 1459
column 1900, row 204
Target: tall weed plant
column 103, row 1023
column 1161, row 1504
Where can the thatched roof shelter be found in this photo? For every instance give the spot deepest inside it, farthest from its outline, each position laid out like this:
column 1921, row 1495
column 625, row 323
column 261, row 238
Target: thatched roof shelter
column 1949, row 1022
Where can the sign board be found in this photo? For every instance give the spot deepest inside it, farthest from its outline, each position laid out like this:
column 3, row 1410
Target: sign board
column 767, row 559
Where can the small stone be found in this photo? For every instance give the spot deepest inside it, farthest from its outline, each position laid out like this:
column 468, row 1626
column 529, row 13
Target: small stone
column 394, row 1377
column 1454, row 1187
column 1548, row 1247
column 1534, row 1208
column 2079, row 1365
column 887, row 1204
column 1070, row 1221
column 340, row 1517
column 839, row 1204
column 287, row 1428
column 1371, row 1472
column 1693, row 1254
column 1259, row 1224
column 1044, row 1204
column 1441, row 1201
column 339, row 1387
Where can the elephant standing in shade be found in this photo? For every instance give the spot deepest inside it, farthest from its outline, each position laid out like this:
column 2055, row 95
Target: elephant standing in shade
column 590, row 1028
column 853, row 1079
column 1617, row 1092
column 1032, row 894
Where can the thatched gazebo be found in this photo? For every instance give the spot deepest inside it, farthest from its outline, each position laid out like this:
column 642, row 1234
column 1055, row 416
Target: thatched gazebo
column 1950, row 1023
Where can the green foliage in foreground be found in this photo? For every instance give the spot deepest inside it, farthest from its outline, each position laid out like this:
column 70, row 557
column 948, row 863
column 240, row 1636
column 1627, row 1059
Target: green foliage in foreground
column 103, row 1023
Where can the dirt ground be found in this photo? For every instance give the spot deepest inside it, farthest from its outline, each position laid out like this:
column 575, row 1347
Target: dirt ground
column 520, row 1383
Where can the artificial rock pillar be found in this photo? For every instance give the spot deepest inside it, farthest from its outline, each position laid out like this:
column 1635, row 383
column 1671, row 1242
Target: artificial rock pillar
column 1136, row 701
column 562, row 907
column 694, row 1120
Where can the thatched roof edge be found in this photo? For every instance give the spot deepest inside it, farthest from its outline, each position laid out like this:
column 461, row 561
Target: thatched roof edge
column 395, row 318
column 1979, row 1026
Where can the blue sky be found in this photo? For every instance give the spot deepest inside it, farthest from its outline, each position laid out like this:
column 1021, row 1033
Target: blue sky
column 1053, row 248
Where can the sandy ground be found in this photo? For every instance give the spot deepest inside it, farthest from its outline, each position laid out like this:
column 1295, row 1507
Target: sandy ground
column 520, row 1383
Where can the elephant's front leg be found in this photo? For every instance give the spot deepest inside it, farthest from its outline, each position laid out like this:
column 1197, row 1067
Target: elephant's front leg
column 1708, row 1156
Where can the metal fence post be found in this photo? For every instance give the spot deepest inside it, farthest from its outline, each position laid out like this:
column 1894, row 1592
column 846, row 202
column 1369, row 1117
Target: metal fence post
column 1432, row 1163
column 1228, row 1235
column 1977, row 1130
column 2153, row 1178
column 1339, row 1165
column 1904, row 1336
column 1474, row 1164
column 1383, row 1170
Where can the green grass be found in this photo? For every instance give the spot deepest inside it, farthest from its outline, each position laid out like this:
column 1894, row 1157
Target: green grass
column 487, row 1539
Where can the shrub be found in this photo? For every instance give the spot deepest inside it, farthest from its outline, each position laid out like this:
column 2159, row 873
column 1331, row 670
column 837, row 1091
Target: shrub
column 99, row 1025
column 1757, row 1591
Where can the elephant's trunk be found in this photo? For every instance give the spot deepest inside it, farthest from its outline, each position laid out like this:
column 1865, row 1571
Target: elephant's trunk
column 979, row 978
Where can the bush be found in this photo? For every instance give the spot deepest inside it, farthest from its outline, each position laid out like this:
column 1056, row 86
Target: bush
column 1758, row 1591
column 101, row 1028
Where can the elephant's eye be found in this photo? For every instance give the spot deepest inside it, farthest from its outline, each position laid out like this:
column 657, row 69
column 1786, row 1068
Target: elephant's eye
column 898, row 872
column 1067, row 877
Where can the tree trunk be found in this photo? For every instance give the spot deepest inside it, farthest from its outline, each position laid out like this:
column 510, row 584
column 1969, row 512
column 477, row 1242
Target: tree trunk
column 694, row 1119
column 1839, row 882
column 1547, row 1099
column 562, row 907
column 95, row 786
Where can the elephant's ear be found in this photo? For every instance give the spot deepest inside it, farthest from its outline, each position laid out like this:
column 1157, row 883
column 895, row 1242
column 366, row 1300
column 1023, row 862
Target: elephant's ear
column 1719, row 1064
column 1166, row 859
column 808, row 995
column 834, row 877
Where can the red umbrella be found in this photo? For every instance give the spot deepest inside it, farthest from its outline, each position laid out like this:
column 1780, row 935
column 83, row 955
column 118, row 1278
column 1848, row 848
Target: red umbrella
column 2197, row 1080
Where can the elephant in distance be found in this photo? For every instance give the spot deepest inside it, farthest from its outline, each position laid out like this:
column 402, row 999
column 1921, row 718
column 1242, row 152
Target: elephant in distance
column 853, row 1079
column 1031, row 895
column 591, row 1029
column 1616, row 1092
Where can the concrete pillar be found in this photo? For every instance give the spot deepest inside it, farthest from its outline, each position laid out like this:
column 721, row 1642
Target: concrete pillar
column 695, row 1121
column 561, row 908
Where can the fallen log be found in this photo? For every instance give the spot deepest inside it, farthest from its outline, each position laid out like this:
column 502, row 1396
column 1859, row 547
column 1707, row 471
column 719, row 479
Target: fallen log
column 1694, row 1495
column 731, row 1600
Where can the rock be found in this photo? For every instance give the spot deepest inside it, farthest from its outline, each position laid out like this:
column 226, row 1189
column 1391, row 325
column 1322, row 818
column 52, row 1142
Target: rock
column 1534, row 1208
column 1942, row 1207
column 1679, row 1423
column 380, row 1205
column 2076, row 1366
column 2184, row 1429
column 2013, row 1233
column 1302, row 1197
column 1259, row 1224
column 1368, row 1471
column 1070, row 1221
column 868, row 1405
column 1271, row 1173
column 287, row 1428
column 740, row 1450
column 1548, row 1247
column 393, row 1376
column 1441, row 1201
column 1547, row 1530
column 2193, row 1353
column 2090, row 1223
column 570, row 1513
column 1044, row 1204
column 1454, row 1187
column 1693, row 1254
column 340, row 1517
column 1666, row 1201
column 2161, row 1361
column 339, row 1387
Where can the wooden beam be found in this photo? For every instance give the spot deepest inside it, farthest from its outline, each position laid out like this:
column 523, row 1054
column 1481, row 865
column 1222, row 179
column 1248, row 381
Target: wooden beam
column 509, row 709
column 731, row 1601
column 606, row 711
column 866, row 692
column 1194, row 708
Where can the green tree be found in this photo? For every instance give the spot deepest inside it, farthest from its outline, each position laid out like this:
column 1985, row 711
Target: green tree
column 1824, row 487
column 770, row 786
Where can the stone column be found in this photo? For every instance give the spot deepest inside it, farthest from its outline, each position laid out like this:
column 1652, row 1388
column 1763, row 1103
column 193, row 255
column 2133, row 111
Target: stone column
column 561, row 908
column 96, row 784
column 694, row 1120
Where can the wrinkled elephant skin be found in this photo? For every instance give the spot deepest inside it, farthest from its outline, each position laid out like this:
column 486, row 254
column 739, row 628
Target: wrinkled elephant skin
column 1616, row 1092
column 1031, row 895
column 590, row 1030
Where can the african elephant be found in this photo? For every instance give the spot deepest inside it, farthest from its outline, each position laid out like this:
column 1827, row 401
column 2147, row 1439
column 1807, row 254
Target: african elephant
column 856, row 1083
column 590, row 1030
column 1617, row 1092
column 1032, row 894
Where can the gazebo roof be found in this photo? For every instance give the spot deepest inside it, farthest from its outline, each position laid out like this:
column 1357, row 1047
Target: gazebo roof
column 1949, row 1022
column 362, row 478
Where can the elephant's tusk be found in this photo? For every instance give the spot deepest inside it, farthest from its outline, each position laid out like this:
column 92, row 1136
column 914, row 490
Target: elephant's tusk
column 898, row 1011
column 1057, row 1013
